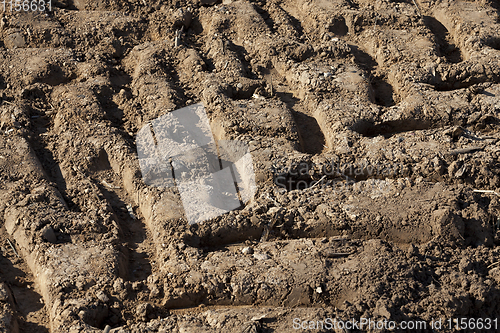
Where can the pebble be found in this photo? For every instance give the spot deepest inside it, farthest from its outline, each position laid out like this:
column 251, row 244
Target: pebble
column 137, row 285
column 273, row 210
column 4, row 294
column 131, row 212
column 143, row 310
column 101, row 295
column 412, row 250
column 48, row 234
column 154, row 292
column 247, row 250
column 118, row 285
column 261, row 256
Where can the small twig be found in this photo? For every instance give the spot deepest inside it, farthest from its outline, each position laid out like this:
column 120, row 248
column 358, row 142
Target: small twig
column 105, row 183
column 265, row 234
column 176, row 40
column 178, row 35
column 336, row 254
column 339, row 254
column 418, row 9
column 487, row 191
column 339, row 238
column 465, row 150
column 319, row 181
column 13, row 248
column 494, row 264
column 271, row 83
column 277, row 204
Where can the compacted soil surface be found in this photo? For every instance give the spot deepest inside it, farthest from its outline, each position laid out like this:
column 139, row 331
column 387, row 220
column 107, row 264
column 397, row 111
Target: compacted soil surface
column 374, row 134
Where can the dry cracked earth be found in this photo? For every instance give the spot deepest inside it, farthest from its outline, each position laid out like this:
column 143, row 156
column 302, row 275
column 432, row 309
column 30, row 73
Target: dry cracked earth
column 374, row 132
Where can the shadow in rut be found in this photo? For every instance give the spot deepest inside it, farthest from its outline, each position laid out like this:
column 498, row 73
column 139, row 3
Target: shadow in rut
column 53, row 170
column 493, row 42
column 445, row 46
column 25, row 300
column 311, row 137
column 394, row 127
column 134, row 232
column 266, row 17
column 382, row 91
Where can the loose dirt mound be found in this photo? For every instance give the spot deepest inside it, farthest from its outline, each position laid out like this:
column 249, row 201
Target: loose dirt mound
column 374, row 133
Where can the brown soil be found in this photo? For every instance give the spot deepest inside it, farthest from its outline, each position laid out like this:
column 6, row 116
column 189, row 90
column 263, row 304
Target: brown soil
column 372, row 126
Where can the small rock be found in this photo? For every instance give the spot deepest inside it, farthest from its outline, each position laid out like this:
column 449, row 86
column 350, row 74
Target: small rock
column 453, row 168
column 124, row 94
column 143, row 310
column 81, row 282
column 118, row 285
column 154, row 292
column 319, row 290
column 383, row 311
column 461, row 172
column 137, row 285
column 247, row 250
column 465, row 265
column 4, row 294
column 101, row 295
column 253, row 327
column 412, row 250
column 153, row 279
column 131, row 212
column 261, row 256
column 474, row 117
column 49, row 235
column 273, row 210
column 455, row 132
column 183, row 18
column 302, row 52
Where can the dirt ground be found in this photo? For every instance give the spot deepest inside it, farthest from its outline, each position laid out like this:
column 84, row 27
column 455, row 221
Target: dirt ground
column 374, row 131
